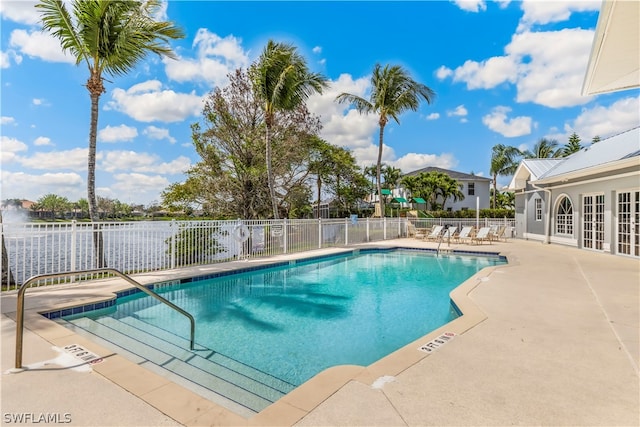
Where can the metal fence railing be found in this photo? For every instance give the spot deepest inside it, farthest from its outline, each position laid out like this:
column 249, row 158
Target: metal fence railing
column 31, row 249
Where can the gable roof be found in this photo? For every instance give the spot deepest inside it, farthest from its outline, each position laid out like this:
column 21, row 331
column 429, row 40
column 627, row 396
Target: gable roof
column 460, row 176
column 618, row 147
column 604, row 155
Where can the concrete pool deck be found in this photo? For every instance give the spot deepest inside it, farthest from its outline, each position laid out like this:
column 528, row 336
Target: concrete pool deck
column 552, row 339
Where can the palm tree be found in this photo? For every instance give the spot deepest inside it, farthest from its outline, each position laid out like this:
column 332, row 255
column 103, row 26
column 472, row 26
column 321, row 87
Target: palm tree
column 450, row 188
column 283, row 81
column 544, row 149
column 393, row 91
column 503, row 162
column 110, row 37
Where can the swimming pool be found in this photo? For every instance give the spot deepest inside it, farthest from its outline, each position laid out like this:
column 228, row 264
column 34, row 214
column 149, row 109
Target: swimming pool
column 287, row 323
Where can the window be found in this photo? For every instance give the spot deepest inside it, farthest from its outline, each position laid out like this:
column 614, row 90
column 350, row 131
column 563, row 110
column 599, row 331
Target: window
column 564, row 217
column 471, row 189
column 538, row 209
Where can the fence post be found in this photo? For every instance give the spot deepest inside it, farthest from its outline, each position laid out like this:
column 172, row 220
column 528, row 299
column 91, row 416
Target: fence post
column 346, row 231
column 173, row 243
column 319, row 233
column 74, row 231
column 285, row 234
column 384, row 228
column 368, row 239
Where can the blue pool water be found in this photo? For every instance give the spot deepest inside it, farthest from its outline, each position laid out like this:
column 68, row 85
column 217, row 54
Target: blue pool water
column 294, row 321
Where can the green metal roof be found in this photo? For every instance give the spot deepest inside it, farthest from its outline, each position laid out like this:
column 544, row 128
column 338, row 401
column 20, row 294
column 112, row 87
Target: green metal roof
column 385, row 192
column 400, row 199
column 418, row 200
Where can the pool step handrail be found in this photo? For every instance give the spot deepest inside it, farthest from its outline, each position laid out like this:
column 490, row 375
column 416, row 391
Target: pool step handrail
column 25, row 285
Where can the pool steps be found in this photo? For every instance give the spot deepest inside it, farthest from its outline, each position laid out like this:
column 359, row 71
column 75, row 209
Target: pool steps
column 207, row 369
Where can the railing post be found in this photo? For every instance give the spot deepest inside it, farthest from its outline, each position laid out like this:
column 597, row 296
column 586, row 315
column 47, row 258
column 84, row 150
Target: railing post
column 285, row 234
column 74, row 231
column 368, row 238
column 319, row 233
column 384, row 228
column 173, row 243
column 346, row 231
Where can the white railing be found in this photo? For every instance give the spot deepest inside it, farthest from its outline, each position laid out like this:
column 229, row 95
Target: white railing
column 141, row 246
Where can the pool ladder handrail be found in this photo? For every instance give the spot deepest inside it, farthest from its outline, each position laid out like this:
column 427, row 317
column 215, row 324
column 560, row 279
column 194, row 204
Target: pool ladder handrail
column 25, row 286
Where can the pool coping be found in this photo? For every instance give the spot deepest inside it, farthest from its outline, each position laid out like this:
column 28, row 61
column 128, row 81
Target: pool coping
column 189, row 408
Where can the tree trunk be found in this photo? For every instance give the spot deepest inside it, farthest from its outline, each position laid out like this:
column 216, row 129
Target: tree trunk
column 96, row 88
column 272, row 190
column 495, row 185
column 378, row 170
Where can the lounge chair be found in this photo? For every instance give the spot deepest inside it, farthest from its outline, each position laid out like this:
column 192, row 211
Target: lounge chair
column 435, row 233
column 499, row 234
column 411, row 230
column 449, row 233
column 482, row 235
column 464, row 234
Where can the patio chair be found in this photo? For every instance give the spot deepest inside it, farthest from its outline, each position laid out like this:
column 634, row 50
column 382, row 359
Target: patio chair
column 464, row 235
column 435, row 233
column 411, row 230
column 500, row 233
column 449, row 233
column 483, row 235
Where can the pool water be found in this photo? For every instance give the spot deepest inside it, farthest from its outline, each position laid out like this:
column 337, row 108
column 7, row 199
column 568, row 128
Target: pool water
column 294, row 321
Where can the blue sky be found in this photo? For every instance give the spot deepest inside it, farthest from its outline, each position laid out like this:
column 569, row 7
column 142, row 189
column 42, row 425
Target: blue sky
column 504, row 73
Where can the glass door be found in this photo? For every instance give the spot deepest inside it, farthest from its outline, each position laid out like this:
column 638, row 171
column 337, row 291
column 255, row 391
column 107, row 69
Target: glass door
column 628, row 231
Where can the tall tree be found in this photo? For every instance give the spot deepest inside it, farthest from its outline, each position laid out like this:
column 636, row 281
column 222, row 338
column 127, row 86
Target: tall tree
column 110, row 37
column 573, row 146
column 282, row 81
column 544, row 149
column 503, row 162
column 393, row 92
column 391, row 176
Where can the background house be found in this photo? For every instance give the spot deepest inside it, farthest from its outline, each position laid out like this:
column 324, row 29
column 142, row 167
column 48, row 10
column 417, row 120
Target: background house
column 475, row 189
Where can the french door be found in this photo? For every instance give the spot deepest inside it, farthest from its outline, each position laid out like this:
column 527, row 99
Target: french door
column 593, row 221
column 628, row 231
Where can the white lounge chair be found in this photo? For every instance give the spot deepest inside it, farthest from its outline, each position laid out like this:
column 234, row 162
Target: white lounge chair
column 464, row 234
column 482, row 235
column 449, row 233
column 435, row 233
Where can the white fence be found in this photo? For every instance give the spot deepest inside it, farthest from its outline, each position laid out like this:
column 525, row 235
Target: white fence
column 141, row 246
column 32, row 249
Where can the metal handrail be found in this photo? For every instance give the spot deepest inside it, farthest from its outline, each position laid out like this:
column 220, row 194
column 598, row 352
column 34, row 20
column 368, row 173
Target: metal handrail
column 25, row 285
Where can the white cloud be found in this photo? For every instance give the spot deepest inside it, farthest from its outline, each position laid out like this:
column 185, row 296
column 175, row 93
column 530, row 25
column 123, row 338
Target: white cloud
column 459, row 111
column 39, row 101
column 143, row 162
column 10, row 146
column 546, row 67
column 117, row 133
column 471, row 5
column 23, row 12
column 37, row 44
column 498, row 122
column 603, row 121
column 74, row 159
column 433, row 116
column 443, row 72
column 6, row 57
column 343, row 125
column 19, row 185
column 42, row 140
column 6, row 120
column 546, row 12
column 147, row 102
column 215, row 58
column 158, row 133
column 414, row 161
column 317, row 50
column 138, row 187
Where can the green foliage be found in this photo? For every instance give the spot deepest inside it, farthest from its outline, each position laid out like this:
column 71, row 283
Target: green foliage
column 195, row 243
column 471, row 213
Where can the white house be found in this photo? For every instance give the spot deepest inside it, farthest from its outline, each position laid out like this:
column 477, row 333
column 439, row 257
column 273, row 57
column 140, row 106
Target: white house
column 590, row 199
column 476, row 189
